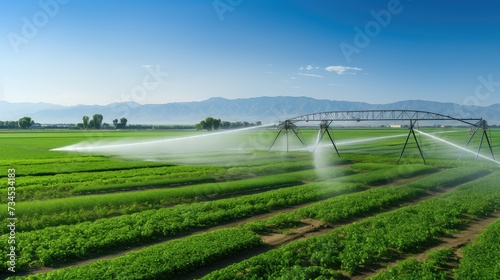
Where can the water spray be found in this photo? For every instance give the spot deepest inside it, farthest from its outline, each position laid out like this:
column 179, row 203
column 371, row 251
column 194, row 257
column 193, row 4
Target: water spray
column 183, row 144
column 457, row 146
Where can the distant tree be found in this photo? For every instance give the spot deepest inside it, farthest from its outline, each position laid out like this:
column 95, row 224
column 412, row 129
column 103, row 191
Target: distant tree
column 209, row 123
column 216, row 124
column 79, row 125
column 25, row 122
column 22, row 123
column 85, row 121
column 105, row 125
column 91, row 124
column 123, row 122
column 225, row 125
column 4, row 124
column 97, row 120
column 236, row 124
column 203, row 124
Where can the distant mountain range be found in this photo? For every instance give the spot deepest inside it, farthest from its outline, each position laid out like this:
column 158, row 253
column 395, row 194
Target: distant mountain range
column 265, row 109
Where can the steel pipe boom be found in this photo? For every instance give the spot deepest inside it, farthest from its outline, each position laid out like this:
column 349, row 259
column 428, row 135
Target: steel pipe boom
column 381, row 115
column 326, row 118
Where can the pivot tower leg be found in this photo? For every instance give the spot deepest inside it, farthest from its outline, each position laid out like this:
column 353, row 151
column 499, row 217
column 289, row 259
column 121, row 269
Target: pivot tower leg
column 412, row 131
column 323, row 128
column 489, row 145
column 288, row 125
column 468, row 142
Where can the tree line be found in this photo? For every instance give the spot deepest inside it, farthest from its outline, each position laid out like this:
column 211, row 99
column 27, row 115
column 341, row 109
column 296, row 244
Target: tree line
column 96, row 122
column 211, row 123
column 23, row 123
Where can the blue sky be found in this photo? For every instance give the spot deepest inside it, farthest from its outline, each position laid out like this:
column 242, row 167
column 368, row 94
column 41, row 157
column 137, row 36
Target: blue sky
column 99, row 52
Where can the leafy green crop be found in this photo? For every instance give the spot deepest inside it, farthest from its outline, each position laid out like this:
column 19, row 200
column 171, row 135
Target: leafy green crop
column 64, row 185
column 482, row 257
column 60, row 244
column 432, row 268
column 351, row 247
column 165, row 261
column 40, row 214
column 369, row 201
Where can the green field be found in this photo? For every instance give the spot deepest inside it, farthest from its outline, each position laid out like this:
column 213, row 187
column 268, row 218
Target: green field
column 220, row 206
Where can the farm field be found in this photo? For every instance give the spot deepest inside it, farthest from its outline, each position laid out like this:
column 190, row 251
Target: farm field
column 220, row 206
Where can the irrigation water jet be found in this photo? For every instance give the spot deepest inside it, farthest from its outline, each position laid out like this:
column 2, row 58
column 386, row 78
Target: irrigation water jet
column 320, row 157
column 208, row 142
column 456, row 146
column 320, row 160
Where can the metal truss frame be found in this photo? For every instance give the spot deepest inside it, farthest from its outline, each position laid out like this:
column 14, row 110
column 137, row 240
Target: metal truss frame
column 413, row 116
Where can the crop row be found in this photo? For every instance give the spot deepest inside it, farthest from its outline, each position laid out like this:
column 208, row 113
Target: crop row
column 169, row 260
column 72, row 164
column 272, row 168
column 434, row 267
column 232, row 158
column 387, row 174
column 63, row 185
column 370, row 201
column 90, row 238
column 46, row 213
column 40, row 214
column 53, row 245
column 257, row 158
column 221, row 210
column 219, row 174
column 481, row 259
column 374, row 239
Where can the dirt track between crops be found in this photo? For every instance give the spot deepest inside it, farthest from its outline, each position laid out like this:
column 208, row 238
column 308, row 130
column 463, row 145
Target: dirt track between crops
column 314, row 227
column 456, row 242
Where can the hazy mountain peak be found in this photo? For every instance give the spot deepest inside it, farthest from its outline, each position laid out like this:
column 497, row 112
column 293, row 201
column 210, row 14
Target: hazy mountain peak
column 264, row 108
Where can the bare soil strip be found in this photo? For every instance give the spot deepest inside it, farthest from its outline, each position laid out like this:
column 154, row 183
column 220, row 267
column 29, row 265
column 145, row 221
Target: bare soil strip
column 315, row 227
column 455, row 242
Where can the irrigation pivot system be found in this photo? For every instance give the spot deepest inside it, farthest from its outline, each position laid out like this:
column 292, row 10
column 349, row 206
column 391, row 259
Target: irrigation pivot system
column 325, row 119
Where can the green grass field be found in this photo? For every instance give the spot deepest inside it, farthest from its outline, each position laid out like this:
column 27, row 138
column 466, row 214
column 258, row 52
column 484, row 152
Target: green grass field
column 220, row 206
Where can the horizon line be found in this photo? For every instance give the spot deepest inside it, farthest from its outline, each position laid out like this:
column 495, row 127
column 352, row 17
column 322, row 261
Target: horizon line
column 244, row 98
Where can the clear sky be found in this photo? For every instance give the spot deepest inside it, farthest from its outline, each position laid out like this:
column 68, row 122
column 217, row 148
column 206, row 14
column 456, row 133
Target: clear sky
column 99, row 52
